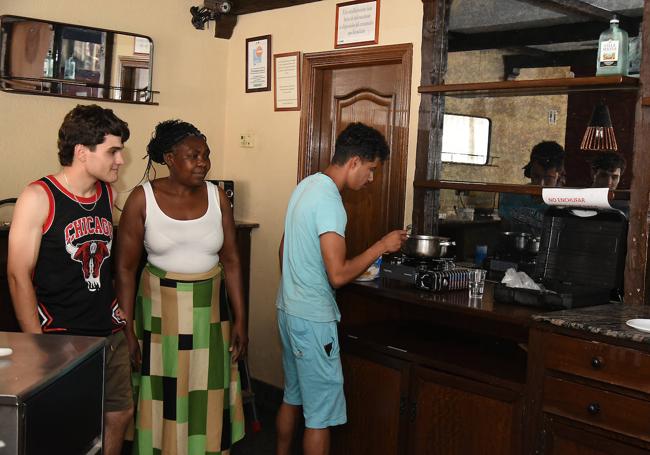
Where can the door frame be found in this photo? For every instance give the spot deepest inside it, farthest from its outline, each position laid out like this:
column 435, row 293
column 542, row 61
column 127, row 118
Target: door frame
column 314, row 66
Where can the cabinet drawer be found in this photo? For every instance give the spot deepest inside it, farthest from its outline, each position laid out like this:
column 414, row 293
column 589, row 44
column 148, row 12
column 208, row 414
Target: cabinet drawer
column 608, row 410
column 603, row 362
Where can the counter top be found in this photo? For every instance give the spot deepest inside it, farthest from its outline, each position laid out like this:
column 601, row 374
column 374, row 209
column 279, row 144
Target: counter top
column 37, row 360
column 454, row 301
column 607, row 320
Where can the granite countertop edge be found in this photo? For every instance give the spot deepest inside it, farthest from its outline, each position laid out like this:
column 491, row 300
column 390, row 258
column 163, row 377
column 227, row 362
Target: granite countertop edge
column 606, row 320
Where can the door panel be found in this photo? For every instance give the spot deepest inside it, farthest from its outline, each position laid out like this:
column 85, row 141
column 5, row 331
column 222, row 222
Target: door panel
column 373, row 408
column 366, row 95
column 371, row 86
column 371, row 202
column 457, row 416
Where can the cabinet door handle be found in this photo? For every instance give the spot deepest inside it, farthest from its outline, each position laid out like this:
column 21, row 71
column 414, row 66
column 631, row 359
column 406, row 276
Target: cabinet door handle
column 413, row 411
column 593, row 409
column 597, row 363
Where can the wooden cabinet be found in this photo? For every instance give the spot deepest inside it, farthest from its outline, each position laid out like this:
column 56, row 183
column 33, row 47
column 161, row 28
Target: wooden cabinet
column 8, row 321
column 400, row 403
column 588, row 395
column 452, row 415
column 376, row 394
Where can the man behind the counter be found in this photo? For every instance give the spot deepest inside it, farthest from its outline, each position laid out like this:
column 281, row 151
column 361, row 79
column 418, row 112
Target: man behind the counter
column 523, row 212
column 60, row 252
column 313, row 263
column 606, row 170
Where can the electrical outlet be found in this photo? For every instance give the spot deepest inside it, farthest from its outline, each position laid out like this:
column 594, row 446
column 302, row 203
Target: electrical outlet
column 247, row 140
column 552, row 117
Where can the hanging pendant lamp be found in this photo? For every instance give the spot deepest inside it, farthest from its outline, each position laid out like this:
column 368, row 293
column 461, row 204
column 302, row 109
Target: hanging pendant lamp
column 599, row 136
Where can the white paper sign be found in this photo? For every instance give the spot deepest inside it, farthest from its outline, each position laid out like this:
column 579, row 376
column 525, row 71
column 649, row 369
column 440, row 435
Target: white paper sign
column 595, row 198
column 356, row 23
column 286, row 82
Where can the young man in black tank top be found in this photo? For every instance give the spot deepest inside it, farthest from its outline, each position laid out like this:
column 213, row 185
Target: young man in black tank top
column 60, row 243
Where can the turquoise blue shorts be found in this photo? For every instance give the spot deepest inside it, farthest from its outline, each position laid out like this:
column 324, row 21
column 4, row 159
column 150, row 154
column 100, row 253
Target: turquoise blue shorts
column 313, row 377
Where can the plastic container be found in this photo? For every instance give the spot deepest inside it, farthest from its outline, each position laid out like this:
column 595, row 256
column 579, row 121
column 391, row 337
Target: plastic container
column 70, row 69
column 613, row 51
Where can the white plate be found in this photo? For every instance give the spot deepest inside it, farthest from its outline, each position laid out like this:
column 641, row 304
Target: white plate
column 4, row 352
column 640, row 324
column 365, row 277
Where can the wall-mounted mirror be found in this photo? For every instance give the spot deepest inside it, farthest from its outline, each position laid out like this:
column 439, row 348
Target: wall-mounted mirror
column 42, row 57
column 465, row 139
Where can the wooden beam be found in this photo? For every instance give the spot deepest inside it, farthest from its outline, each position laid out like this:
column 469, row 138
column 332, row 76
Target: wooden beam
column 254, row 6
column 224, row 25
column 564, row 33
column 636, row 265
column 577, row 8
column 512, row 63
column 435, row 27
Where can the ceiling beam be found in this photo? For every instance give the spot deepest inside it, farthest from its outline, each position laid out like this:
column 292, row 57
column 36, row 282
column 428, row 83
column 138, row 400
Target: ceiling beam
column 578, row 8
column 253, row 6
column 565, row 33
column 225, row 22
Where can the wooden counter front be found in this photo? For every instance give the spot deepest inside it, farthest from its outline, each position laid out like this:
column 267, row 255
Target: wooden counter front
column 439, row 372
column 389, row 300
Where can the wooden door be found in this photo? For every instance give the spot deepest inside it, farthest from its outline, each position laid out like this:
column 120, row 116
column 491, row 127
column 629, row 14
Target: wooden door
column 375, row 391
column 371, row 86
column 450, row 415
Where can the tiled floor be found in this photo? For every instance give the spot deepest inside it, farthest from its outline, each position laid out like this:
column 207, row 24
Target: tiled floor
column 255, row 443
column 263, row 442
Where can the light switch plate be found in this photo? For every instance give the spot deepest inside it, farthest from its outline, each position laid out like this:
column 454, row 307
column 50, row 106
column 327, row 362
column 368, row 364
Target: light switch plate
column 247, row 140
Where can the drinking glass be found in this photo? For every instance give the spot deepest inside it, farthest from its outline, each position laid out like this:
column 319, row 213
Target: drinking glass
column 476, row 283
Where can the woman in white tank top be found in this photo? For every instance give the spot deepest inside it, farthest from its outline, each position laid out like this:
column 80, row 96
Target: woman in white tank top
column 179, row 326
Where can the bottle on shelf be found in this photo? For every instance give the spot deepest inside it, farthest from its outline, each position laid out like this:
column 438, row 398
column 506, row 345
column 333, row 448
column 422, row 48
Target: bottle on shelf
column 70, row 68
column 612, row 51
column 48, row 64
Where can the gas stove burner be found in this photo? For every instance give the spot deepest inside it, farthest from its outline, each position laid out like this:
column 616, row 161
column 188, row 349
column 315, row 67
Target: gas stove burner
column 430, row 264
column 431, row 274
column 438, row 264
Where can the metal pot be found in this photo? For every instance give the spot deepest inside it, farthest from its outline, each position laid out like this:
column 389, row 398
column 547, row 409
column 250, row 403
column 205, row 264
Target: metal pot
column 533, row 245
column 426, row 246
column 516, row 240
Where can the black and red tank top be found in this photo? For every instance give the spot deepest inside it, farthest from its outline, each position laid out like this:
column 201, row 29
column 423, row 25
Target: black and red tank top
column 73, row 275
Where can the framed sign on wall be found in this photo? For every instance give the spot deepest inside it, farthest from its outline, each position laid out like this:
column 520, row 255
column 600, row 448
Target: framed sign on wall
column 286, row 81
column 357, row 23
column 258, row 64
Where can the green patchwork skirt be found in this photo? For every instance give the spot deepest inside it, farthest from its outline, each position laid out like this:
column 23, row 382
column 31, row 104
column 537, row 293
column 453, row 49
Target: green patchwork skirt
column 188, row 392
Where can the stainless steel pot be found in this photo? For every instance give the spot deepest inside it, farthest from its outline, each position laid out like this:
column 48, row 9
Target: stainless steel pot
column 516, row 240
column 426, row 246
column 533, row 245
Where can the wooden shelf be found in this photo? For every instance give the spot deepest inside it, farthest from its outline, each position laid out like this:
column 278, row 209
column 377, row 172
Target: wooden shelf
column 498, row 188
column 533, row 87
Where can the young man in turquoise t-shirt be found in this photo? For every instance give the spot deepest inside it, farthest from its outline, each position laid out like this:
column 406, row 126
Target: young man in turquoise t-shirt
column 314, row 264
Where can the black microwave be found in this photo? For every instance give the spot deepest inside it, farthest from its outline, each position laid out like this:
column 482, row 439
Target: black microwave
column 228, row 186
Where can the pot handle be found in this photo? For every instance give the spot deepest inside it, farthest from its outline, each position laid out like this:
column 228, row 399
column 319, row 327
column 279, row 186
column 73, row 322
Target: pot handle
column 448, row 243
